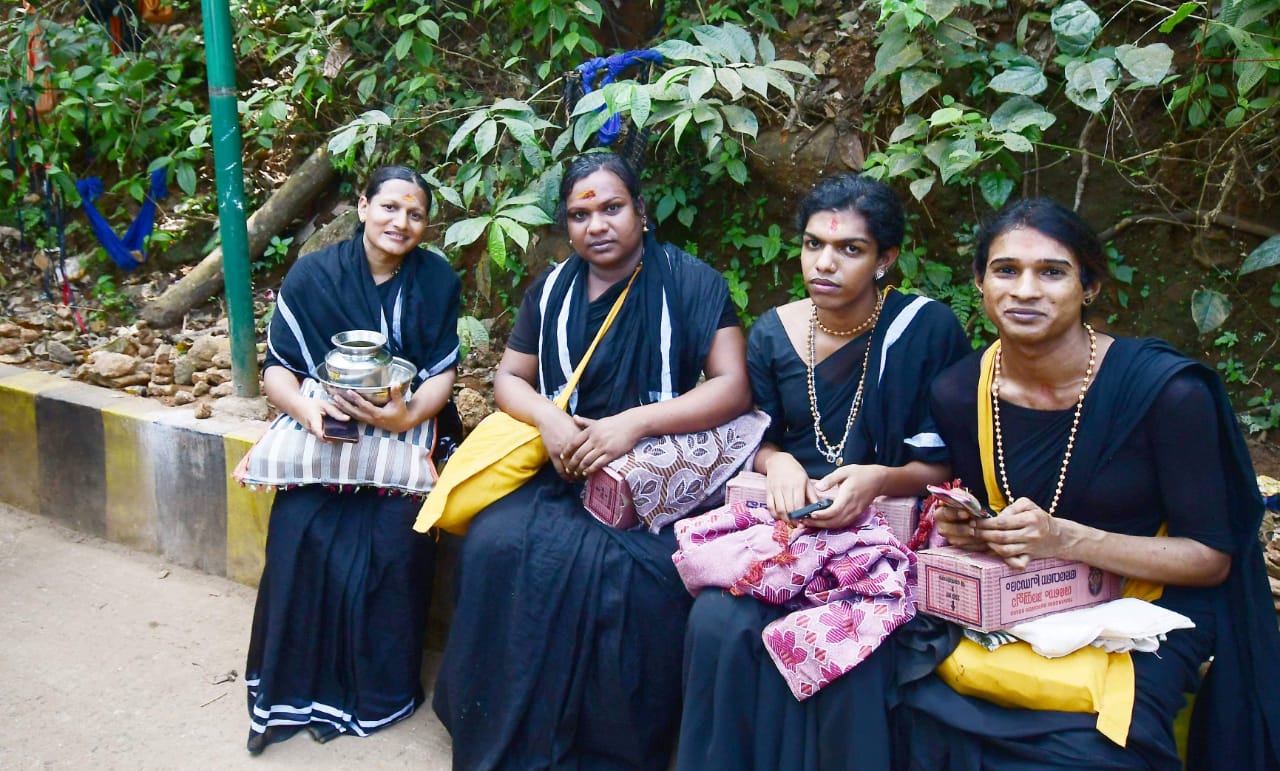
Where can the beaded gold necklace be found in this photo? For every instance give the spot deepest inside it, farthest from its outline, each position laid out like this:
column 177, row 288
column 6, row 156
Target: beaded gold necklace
column 1075, row 422
column 866, row 324
column 835, row 455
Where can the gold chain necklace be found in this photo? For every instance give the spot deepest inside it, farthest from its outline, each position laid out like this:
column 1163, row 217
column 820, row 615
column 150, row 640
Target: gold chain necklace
column 1075, row 422
column 870, row 320
column 835, row 455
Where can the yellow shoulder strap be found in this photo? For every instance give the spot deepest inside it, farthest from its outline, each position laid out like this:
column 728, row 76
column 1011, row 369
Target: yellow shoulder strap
column 986, row 440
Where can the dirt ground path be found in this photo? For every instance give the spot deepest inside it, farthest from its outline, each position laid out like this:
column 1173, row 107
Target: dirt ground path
column 114, row 659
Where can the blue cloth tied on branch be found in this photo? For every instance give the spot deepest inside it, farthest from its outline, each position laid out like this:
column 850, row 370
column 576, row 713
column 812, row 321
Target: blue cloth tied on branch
column 128, row 252
column 613, row 67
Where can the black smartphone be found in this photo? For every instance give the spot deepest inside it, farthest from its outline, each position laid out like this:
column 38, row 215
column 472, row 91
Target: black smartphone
column 804, row 512
column 341, row 430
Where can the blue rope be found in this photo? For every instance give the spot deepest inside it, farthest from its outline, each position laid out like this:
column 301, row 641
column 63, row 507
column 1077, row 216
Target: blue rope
column 125, row 251
column 613, row 66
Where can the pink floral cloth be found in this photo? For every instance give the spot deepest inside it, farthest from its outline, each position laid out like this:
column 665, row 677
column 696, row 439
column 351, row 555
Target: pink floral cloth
column 847, row 590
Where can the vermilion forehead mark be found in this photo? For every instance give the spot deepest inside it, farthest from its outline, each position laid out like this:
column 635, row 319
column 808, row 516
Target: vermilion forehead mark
column 586, row 195
column 834, row 225
column 410, row 199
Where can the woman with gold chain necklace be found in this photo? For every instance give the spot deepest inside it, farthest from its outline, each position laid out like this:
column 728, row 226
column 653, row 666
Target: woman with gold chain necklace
column 1120, row 453
column 844, row 375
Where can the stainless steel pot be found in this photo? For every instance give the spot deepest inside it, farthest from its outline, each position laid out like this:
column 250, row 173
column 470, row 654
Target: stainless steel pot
column 359, row 358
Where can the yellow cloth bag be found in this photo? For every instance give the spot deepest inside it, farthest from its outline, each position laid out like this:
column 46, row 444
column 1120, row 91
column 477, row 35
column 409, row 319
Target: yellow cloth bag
column 497, row 457
column 1013, row 675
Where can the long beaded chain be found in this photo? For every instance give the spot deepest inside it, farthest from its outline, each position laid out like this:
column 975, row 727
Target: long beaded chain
column 1075, row 422
column 835, row 455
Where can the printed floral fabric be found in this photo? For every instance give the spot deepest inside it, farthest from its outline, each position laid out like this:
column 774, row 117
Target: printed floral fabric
column 670, row 475
column 847, row 590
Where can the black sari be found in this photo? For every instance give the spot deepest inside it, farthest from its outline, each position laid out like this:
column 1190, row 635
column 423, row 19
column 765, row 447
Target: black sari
column 564, row 651
column 1157, row 443
column 336, row 645
column 738, row 712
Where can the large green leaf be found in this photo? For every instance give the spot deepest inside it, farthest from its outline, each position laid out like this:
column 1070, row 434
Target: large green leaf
column 497, row 246
column 1265, row 256
column 529, row 214
column 995, row 187
column 464, row 131
column 592, row 101
column 1075, row 26
column 913, row 126
column 732, row 42
column 895, row 55
column 755, row 79
column 641, row 105
column 1024, row 80
column 719, row 42
column 915, row 83
column 793, row 67
column 514, row 230
column 1178, row 16
column 701, row 81
column 779, row 81
column 464, row 232
column 952, row 155
column 1209, row 309
column 344, row 139
column 1015, row 142
column 682, row 51
column 1020, row 112
column 486, row 137
column 730, row 81
column 1090, row 84
column 740, row 119
column 1147, row 64
column 921, row 187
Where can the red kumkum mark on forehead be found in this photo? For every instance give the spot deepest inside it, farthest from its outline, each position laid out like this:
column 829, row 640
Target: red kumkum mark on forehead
column 410, row 199
column 586, row 195
column 834, row 225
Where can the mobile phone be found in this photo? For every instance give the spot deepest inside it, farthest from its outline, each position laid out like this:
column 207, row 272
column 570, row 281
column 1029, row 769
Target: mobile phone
column 804, row 512
column 341, row 430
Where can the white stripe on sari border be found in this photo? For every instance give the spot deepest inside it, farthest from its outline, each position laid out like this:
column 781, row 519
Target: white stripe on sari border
column 665, row 347
column 896, row 330
column 317, row 712
column 397, row 317
column 291, row 321
column 441, row 365
column 542, row 317
column 925, row 439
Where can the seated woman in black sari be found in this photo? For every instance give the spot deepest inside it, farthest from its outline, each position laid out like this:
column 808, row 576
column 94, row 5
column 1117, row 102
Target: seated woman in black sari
column 337, row 633
column 564, row 649
column 1123, row 454
column 844, row 376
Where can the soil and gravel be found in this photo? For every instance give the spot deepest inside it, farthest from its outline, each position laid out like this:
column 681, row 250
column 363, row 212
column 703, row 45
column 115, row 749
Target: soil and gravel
column 114, row 659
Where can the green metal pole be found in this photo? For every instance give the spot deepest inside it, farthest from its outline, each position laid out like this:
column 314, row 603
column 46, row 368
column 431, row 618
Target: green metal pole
column 223, row 109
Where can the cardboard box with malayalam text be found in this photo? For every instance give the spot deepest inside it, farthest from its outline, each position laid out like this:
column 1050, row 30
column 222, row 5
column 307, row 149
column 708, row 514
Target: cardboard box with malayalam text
column 981, row 592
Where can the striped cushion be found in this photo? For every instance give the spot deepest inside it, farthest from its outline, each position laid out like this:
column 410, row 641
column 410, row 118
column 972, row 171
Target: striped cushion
column 289, row 455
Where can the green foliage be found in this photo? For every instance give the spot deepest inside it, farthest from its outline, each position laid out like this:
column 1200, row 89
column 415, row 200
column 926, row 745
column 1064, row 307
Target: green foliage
column 965, row 98
column 117, row 115
column 502, row 161
column 273, row 256
column 110, row 301
column 472, row 334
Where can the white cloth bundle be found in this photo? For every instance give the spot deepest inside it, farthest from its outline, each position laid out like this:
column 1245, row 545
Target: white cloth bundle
column 1121, row 625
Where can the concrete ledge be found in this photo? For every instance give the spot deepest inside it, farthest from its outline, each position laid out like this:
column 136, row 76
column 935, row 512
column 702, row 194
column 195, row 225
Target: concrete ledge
column 151, row 477
column 133, row 471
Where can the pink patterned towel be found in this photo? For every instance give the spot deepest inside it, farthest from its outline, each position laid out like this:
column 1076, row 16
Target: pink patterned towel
column 847, row 589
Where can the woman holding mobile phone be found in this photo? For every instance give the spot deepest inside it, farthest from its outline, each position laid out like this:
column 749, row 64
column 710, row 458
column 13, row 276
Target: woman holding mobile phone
column 843, row 374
